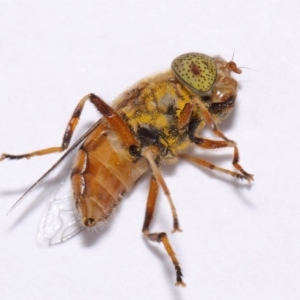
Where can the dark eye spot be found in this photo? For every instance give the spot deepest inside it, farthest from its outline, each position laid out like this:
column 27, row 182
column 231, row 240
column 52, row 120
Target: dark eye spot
column 195, row 70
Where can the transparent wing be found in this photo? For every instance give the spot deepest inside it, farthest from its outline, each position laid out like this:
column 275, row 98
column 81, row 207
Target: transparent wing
column 62, row 219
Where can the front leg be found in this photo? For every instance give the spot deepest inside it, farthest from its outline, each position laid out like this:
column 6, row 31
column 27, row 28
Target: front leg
column 211, row 144
column 208, row 118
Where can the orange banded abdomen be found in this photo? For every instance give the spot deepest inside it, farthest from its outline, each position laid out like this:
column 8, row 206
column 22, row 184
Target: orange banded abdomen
column 102, row 173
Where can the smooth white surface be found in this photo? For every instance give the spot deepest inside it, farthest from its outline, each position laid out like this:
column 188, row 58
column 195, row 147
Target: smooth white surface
column 238, row 241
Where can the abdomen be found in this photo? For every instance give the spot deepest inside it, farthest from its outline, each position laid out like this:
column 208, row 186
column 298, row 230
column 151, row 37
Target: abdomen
column 102, row 172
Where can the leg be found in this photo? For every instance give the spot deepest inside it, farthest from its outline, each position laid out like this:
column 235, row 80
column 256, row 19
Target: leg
column 150, row 154
column 211, row 166
column 209, row 144
column 109, row 114
column 185, row 115
column 211, row 122
column 162, row 236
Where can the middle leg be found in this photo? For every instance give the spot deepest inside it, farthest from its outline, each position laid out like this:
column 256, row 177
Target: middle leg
column 150, row 153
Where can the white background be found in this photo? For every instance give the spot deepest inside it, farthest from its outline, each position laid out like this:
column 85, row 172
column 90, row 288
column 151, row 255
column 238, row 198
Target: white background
column 239, row 241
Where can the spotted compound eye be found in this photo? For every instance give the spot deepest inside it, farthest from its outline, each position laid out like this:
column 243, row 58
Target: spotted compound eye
column 195, row 70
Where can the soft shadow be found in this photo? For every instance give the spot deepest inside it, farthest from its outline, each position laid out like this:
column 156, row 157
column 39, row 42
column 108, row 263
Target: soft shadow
column 230, row 122
column 92, row 236
column 237, row 184
column 169, row 170
column 48, row 185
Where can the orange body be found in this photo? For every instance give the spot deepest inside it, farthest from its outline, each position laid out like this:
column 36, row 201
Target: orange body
column 102, row 173
column 158, row 110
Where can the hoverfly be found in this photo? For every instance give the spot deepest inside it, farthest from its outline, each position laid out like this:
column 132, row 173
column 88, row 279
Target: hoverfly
column 154, row 122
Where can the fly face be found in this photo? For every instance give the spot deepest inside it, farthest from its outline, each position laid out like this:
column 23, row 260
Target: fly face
column 209, row 78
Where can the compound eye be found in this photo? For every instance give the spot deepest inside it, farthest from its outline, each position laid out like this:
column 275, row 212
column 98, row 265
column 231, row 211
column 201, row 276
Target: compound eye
column 196, row 71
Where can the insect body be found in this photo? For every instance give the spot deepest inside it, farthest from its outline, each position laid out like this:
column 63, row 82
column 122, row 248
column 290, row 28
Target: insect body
column 155, row 122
